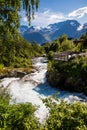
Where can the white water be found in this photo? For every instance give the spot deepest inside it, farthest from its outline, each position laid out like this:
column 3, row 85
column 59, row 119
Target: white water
column 33, row 87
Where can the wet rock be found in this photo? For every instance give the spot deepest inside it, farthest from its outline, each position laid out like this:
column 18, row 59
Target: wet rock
column 15, row 73
column 55, row 79
column 21, row 74
column 63, row 82
column 12, row 74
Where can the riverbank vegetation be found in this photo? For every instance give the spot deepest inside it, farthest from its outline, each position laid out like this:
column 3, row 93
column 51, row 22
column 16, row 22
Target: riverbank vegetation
column 16, row 52
column 68, row 75
column 64, row 43
column 16, row 117
column 62, row 116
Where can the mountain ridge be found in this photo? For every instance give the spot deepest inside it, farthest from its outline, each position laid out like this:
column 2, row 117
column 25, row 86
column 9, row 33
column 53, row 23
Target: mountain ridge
column 71, row 28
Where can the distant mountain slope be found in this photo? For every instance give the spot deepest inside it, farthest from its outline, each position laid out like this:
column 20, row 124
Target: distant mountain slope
column 23, row 28
column 68, row 27
column 34, row 37
column 71, row 28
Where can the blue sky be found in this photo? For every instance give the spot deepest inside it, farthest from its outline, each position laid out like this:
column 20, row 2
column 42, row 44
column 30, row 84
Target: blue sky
column 64, row 6
column 53, row 11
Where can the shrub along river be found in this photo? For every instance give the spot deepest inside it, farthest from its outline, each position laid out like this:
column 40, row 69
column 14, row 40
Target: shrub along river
column 33, row 87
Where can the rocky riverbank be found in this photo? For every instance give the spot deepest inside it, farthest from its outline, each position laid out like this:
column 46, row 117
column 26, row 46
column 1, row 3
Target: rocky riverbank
column 63, row 82
column 69, row 75
column 15, row 72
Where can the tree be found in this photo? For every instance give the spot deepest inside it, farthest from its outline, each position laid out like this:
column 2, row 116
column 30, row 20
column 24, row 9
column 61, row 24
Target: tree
column 10, row 18
column 63, row 38
column 84, row 38
column 9, row 10
column 9, row 36
column 9, row 15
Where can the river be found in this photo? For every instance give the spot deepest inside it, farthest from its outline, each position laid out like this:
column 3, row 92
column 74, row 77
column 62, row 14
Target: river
column 33, row 87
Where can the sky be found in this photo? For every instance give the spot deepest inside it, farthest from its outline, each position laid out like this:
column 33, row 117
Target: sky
column 54, row 11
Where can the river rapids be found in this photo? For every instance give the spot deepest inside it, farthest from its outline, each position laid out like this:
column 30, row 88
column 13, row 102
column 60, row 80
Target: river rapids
column 33, row 87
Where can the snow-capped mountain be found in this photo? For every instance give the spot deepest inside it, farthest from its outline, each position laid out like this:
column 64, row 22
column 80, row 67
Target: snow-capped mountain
column 71, row 28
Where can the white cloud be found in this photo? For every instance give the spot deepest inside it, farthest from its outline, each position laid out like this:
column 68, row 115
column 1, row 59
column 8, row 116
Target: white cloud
column 47, row 17
column 79, row 13
column 23, row 19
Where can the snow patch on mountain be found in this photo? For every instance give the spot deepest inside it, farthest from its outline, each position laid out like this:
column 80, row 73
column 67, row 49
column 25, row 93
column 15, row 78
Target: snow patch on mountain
column 80, row 28
column 73, row 23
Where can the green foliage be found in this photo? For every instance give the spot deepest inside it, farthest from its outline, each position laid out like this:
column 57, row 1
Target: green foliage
column 67, row 45
column 63, row 38
column 54, row 46
column 4, row 96
column 9, row 11
column 16, row 117
column 62, row 116
column 30, row 6
column 60, row 45
column 50, row 55
column 14, row 50
column 17, row 52
column 69, row 75
column 79, row 47
column 74, row 68
column 65, row 116
column 21, row 117
column 84, row 38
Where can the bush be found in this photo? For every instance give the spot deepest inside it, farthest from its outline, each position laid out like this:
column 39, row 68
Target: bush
column 16, row 117
column 65, row 116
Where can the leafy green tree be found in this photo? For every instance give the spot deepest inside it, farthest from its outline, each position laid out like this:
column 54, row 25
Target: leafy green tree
column 67, row 45
column 63, row 38
column 84, row 38
column 9, row 10
column 54, row 46
column 10, row 18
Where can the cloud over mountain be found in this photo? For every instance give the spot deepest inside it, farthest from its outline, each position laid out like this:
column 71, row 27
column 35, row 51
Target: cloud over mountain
column 47, row 17
column 44, row 18
column 79, row 13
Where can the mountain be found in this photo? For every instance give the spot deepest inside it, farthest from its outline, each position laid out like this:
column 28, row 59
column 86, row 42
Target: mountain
column 71, row 28
column 68, row 27
column 33, row 35
column 23, row 28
